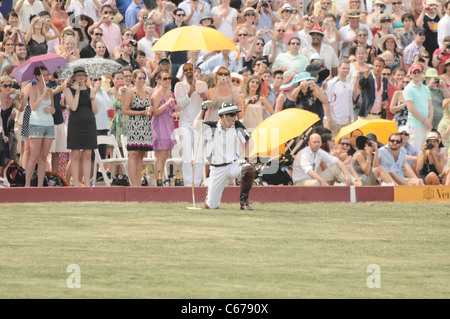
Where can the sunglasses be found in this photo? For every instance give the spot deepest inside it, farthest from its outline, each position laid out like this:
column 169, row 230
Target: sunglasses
column 395, row 141
column 232, row 114
column 406, row 82
column 250, row 14
column 404, row 133
column 294, row 43
column 243, row 34
column 7, row 86
column 385, row 21
column 98, row 34
column 181, row 15
column 95, row 80
column 395, row 3
column 235, row 81
column 362, row 35
column 167, row 78
column 260, row 44
column 223, row 74
column 128, row 34
column 188, row 69
column 385, row 74
column 345, row 144
column 417, row 72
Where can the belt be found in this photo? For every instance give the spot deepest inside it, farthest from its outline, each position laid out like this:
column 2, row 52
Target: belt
column 375, row 113
column 221, row 165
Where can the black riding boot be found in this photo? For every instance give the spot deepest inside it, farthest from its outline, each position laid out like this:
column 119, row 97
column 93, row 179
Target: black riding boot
column 248, row 175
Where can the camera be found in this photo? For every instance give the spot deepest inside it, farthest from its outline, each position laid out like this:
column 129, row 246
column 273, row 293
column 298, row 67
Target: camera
column 447, row 46
column 324, row 7
column 265, row 4
column 436, row 81
column 308, row 83
column 370, row 143
column 430, row 146
column 145, row 17
column 421, row 60
column 111, row 18
column 223, row 79
column 17, row 92
column 294, row 11
column 41, row 20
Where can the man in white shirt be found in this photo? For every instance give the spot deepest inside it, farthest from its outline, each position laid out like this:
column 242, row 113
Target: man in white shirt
column 349, row 33
column 146, row 43
column 443, row 28
column 190, row 94
column 307, row 163
column 26, row 8
column 277, row 38
column 340, row 110
column 193, row 10
column 222, row 58
column 223, row 138
column 325, row 51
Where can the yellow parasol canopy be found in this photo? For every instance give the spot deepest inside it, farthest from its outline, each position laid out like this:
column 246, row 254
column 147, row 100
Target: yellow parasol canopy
column 271, row 134
column 193, row 38
column 380, row 127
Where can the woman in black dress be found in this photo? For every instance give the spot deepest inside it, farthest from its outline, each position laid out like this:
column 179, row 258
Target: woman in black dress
column 82, row 130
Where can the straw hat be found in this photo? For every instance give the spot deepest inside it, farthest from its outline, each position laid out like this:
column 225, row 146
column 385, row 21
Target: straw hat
column 384, row 38
column 431, row 73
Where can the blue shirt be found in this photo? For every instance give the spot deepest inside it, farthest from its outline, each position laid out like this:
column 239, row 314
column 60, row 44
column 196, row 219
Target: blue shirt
column 131, row 15
column 388, row 162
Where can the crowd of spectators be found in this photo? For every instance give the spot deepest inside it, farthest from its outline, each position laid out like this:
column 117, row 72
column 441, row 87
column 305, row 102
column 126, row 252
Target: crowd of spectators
column 343, row 60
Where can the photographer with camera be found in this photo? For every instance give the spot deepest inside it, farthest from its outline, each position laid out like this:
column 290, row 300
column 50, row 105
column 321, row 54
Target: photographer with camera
column 438, row 92
column 441, row 54
column 430, row 161
column 266, row 18
column 112, row 35
column 366, row 162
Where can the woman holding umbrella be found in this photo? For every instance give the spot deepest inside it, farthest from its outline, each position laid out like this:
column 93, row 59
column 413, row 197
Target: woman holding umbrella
column 41, row 127
column 82, row 130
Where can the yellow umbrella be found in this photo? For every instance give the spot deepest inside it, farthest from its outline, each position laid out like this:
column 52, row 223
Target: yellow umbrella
column 271, row 134
column 380, row 127
column 193, row 38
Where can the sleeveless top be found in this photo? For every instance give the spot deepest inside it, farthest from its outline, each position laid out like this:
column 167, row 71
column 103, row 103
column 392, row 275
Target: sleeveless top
column 34, row 48
column 39, row 117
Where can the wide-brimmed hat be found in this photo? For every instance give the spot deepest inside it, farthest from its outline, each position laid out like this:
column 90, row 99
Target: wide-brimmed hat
column 288, row 82
column 443, row 66
column 431, row 73
column 361, row 141
column 228, row 107
column 354, row 14
column 433, row 136
column 249, row 9
column 384, row 38
column 237, row 76
column 432, row 3
column 285, row 6
column 379, row 2
column 79, row 70
column 76, row 20
column 304, row 76
column 315, row 72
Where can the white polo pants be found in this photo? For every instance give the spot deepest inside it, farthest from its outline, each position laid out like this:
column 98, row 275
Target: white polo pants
column 218, row 179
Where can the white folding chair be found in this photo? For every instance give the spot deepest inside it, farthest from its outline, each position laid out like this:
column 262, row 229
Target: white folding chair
column 115, row 160
column 175, row 154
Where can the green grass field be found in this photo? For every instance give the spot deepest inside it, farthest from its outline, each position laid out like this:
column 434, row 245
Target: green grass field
column 280, row 251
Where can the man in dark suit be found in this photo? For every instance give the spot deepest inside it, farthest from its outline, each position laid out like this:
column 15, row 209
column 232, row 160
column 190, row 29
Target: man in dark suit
column 374, row 91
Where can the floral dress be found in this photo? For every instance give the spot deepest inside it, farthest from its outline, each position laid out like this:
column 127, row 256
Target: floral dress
column 119, row 121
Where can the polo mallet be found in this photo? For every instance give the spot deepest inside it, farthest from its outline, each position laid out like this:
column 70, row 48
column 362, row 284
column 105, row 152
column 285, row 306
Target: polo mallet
column 205, row 106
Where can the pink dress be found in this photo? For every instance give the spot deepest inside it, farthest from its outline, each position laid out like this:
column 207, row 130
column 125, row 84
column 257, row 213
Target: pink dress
column 163, row 127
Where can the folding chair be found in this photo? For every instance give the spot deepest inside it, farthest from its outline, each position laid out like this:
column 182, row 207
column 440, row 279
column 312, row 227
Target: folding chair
column 115, row 160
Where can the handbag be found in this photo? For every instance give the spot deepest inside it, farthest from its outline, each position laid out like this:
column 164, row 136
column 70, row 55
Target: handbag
column 120, row 180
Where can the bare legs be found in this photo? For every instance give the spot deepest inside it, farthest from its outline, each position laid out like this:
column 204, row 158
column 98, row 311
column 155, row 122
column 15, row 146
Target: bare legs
column 39, row 149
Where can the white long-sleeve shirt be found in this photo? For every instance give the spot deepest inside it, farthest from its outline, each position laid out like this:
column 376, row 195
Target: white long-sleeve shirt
column 190, row 105
column 443, row 29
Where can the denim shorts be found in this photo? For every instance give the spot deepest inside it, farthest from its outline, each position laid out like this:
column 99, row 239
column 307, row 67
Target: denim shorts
column 41, row 131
